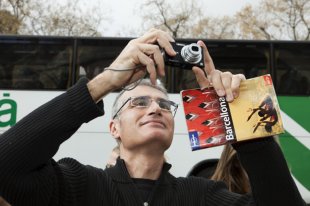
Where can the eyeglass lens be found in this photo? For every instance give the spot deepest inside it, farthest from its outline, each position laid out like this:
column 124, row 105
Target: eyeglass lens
column 145, row 101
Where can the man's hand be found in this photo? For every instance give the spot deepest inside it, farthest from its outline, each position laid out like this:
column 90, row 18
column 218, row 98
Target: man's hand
column 144, row 52
column 224, row 83
column 141, row 55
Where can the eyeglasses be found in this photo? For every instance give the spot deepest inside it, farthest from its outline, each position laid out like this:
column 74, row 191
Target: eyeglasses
column 145, row 101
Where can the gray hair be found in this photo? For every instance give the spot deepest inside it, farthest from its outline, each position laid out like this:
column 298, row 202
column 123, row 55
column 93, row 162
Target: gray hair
column 144, row 82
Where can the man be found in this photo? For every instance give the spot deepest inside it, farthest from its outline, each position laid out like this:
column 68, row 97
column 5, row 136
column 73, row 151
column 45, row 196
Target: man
column 143, row 124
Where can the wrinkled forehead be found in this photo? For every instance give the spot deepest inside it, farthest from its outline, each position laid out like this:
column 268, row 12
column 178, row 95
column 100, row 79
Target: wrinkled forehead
column 143, row 90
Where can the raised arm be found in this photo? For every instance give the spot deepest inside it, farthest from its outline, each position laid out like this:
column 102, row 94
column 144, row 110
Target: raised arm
column 28, row 175
column 270, row 179
column 263, row 160
column 142, row 55
column 27, row 172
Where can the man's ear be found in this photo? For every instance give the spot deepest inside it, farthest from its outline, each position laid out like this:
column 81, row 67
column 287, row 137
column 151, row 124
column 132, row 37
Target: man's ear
column 114, row 128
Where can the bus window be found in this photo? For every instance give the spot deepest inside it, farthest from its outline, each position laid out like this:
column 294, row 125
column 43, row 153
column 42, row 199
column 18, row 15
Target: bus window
column 292, row 66
column 26, row 78
column 251, row 59
column 5, row 80
column 93, row 55
column 36, row 63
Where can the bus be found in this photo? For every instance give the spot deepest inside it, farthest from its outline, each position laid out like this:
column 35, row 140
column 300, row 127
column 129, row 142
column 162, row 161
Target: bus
column 35, row 69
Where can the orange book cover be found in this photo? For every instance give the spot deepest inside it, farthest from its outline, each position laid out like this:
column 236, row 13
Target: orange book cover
column 212, row 121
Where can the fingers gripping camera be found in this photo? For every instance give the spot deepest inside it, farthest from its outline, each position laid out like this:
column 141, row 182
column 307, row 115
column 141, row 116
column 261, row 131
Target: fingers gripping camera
column 187, row 56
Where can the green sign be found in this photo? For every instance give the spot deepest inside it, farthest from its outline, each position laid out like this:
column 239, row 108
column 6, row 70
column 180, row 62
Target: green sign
column 8, row 111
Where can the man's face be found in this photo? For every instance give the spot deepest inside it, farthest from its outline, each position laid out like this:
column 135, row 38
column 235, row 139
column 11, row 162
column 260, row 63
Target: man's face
column 142, row 127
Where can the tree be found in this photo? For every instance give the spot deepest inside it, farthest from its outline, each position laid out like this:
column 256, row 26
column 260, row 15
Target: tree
column 276, row 19
column 48, row 18
column 253, row 24
column 64, row 20
column 9, row 24
column 18, row 8
column 177, row 20
column 13, row 12
column 215, row 28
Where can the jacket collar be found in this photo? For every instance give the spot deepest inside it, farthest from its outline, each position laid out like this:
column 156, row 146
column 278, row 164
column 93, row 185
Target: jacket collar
column 164, row 187
column 119, row 173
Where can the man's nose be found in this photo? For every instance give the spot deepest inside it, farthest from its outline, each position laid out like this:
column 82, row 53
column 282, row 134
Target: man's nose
column 154, row 108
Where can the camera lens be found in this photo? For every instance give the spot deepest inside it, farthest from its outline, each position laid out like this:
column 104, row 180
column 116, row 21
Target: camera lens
column 191, row 53
column 195, row 48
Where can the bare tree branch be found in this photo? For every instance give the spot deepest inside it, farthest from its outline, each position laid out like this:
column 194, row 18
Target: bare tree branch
column 176, row 20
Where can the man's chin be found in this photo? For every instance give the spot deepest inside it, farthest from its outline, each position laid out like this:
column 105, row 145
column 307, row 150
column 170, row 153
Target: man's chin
column 159, row 137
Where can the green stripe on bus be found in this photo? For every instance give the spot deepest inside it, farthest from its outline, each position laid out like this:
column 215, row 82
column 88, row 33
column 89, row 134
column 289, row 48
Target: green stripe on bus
column 297, row 108
column 297, row 156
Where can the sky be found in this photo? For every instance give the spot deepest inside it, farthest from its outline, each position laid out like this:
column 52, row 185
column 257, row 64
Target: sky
column 124, row 14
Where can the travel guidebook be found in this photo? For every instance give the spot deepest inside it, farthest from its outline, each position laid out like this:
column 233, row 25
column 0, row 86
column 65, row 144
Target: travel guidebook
column 212, row 121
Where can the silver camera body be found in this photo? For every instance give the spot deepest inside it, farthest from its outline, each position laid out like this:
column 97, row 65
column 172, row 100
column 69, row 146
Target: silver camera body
column 187, row 56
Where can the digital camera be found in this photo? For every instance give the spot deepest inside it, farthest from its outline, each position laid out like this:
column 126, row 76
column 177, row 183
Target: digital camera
column 187, row 56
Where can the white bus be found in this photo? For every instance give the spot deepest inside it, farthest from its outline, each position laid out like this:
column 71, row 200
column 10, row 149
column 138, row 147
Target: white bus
column 34, row 69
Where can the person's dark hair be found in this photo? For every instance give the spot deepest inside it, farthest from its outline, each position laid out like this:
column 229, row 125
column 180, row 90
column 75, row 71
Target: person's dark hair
column 230, row 171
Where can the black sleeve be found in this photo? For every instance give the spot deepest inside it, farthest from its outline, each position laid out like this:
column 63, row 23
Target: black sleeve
column 270, row 179
column 28, row 175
